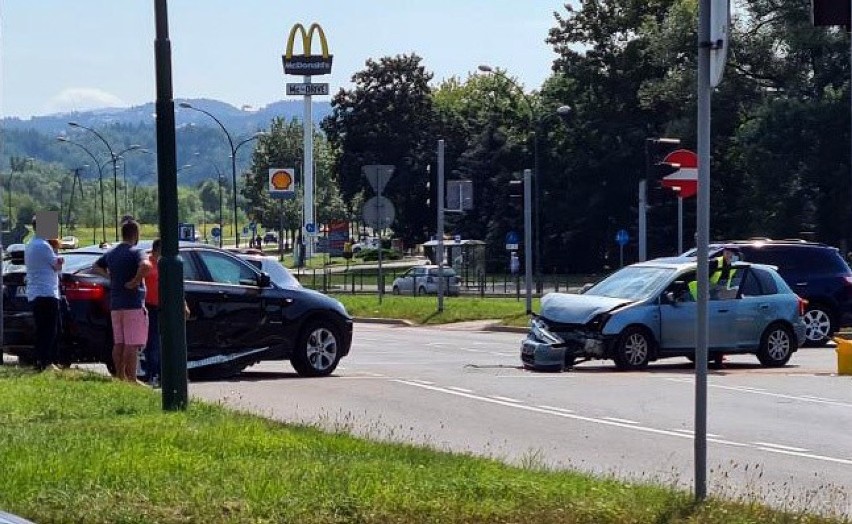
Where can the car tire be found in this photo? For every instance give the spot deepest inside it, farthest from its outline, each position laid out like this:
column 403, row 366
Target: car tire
column 396, row 290
column 819, row 325
column 318, row 351
column 633, row 349
column 776, row 346
column 421, row 290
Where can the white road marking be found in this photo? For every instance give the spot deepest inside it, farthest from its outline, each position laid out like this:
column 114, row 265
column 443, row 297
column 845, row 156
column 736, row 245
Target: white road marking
column 463, row 390
column 554, row 408
column 507, row 399
column 779, row 446
column 758, row 391
column 473, row 350
column 820, row 398
column 423, row 382
column 644, row 429
column 623, row 420
column 692, row 432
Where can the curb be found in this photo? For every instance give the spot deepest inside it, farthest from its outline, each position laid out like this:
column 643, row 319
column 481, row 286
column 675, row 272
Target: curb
column 505, row 329
column 388, row 321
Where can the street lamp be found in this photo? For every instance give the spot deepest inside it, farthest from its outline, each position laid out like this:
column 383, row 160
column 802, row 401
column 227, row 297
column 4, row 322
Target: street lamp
column 100, row 180
column 536, row 121
column 234, row 149
column 114, row 158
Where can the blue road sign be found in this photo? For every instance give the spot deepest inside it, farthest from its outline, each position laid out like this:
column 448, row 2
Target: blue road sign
column 622, row 237
column 215, row 232
column 512, row 237
column 310, row 227
column 457, row 239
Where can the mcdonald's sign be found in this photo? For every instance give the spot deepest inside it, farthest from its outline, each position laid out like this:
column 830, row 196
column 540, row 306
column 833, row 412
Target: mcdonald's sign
column 307, row 64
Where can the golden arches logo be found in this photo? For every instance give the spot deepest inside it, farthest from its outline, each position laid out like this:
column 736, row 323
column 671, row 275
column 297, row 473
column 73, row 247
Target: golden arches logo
column 306, row 63
column 307, row 37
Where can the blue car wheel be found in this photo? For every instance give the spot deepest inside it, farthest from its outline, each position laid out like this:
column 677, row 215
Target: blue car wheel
column 633, row 349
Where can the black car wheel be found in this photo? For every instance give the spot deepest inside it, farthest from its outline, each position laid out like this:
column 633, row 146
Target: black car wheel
column 396, row 290
column 818, row 325
column 776, row 346
column 633, row 350
column 318, row 352
column 421, row 290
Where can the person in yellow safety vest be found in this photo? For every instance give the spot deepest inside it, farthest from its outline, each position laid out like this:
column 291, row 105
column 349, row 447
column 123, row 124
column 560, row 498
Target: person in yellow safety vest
column 721, row 276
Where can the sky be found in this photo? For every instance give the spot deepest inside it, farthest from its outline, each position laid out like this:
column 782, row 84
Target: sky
column 66, row 55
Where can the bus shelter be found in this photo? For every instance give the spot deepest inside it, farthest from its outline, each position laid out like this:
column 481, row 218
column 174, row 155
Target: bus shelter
column 466, row 257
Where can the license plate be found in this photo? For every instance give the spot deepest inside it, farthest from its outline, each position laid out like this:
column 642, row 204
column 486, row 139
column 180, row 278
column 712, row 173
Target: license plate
column 21, row 291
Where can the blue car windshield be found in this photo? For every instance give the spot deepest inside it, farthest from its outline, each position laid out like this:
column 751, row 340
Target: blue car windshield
column 632, row 283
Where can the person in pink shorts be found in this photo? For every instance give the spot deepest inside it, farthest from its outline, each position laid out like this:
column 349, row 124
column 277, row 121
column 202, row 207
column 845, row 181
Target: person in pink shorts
column 126, row 266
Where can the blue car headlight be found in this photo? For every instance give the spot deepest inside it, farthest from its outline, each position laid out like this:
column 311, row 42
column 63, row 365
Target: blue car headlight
column 540, row 331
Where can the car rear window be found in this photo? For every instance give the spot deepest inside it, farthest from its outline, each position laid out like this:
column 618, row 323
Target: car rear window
column 448, row 272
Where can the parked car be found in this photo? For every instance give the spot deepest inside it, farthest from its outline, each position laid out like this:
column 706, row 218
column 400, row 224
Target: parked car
column 68, row 242
column 645, row 312
column 816, row 272
column 367, row 243
column 422, row 280
column 270, row 238
column 239, row 316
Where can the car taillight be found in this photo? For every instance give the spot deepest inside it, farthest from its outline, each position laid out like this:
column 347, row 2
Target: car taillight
column 803, row 305
column 84, row 291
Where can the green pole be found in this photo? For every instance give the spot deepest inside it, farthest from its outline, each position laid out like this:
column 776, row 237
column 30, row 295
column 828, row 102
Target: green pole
column 172, row 324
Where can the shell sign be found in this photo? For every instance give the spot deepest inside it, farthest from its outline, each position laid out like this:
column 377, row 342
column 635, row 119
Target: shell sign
column 282, row 183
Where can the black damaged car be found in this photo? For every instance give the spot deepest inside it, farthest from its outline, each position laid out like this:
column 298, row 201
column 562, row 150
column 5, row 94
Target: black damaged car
column 238, row 315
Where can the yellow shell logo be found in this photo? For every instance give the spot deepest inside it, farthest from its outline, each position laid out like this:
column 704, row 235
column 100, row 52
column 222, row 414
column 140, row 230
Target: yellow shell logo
column 281, row 180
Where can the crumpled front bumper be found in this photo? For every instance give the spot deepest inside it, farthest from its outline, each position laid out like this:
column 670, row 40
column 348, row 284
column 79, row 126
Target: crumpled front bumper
column 552, row 357
column 539, row 355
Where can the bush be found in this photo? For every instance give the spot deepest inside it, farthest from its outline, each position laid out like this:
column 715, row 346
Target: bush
column 372, row 255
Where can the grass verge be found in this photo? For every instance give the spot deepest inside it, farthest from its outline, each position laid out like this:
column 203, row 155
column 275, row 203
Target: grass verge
column 78, row 447
column 424, row 309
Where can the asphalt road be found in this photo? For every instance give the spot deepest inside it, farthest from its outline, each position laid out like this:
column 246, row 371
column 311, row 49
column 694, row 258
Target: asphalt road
column 783, row 436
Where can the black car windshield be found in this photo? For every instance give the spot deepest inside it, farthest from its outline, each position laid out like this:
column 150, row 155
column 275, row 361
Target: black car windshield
column 633, row 283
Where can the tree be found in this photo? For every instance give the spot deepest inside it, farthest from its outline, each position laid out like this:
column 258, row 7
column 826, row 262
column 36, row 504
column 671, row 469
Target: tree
column 387, row 118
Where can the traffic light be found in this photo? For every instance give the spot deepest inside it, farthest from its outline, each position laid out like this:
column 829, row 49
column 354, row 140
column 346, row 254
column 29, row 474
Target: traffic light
column 657, row 194
column 516, row 192
column 830, row 12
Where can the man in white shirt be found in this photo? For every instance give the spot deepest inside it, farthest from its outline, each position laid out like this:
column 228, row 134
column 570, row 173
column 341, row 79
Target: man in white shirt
column 43, row 267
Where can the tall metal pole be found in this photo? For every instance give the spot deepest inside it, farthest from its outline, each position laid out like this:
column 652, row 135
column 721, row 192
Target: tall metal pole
column 172, row 323
column 308, row 170
column 528, row 237
column 703, row 272
column 679, row 224
column 643, row 227
column 221, row 226
column 439, row 249
column 536, row 219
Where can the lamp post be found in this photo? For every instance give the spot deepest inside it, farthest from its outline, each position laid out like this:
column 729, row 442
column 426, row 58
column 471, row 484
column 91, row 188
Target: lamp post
column 114, row 159
column 100, row 180
column 234, row 149
column 536, row 121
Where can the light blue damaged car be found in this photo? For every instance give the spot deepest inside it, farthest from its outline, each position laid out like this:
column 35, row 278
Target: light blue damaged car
column 647, row 311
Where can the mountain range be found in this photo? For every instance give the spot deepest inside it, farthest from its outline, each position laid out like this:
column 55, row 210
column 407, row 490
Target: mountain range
column 237, row 121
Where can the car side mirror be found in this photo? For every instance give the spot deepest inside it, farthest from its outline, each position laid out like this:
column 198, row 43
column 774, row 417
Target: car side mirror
column 263, row 280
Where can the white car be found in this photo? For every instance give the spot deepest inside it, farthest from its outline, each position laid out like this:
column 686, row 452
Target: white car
column 68, row 242
column 422, row 280
column 369, row 243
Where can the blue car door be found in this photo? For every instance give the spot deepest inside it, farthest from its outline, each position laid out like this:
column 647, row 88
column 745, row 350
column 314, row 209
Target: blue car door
column 677, row 320
column 757, row 307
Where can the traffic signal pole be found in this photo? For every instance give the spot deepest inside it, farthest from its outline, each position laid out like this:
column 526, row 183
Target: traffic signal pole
column 528, row 240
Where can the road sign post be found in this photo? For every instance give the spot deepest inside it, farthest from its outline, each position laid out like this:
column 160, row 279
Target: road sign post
column 622, row 237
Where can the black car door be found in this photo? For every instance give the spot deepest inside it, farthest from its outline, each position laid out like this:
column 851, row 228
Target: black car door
column 201, row 339
column 231, row 301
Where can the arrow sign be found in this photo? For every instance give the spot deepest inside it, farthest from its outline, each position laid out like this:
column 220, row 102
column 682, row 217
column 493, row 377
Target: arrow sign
column 378, row 176
column 685, row 179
